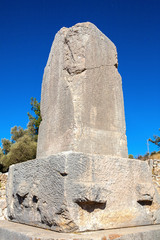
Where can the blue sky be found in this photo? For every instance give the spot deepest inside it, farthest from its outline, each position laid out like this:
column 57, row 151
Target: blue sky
column 27, row 29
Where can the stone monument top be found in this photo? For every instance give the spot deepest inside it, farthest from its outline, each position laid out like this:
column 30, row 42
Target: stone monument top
column 82, row 101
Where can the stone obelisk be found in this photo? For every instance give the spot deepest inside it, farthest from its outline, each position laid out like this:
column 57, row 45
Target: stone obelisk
column 82, row 179
column 82, row 101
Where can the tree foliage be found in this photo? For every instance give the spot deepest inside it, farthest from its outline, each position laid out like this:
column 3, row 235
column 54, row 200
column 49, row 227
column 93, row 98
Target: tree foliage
column 23, row 144
column 6, row 146
column 22, row 150
column 17, row 132
column 130, row 156
column 1, row 152
column 156, row 140
column 34, row 121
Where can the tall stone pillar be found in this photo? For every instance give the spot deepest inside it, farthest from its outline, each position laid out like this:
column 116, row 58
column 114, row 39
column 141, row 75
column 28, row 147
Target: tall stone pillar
column 82, row 101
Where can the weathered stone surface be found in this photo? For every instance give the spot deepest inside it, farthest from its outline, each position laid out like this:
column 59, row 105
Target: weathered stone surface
column 10, row 231
column 3, row 203
column 78, row 192
column 82, row 100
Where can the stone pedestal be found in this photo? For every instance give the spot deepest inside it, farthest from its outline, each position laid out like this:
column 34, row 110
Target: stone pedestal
column 72, row 192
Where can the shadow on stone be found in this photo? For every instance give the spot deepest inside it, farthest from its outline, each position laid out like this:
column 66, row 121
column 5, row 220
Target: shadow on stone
column 145, row 202
column 90, row 206
column 21, row 198
column 35, row 199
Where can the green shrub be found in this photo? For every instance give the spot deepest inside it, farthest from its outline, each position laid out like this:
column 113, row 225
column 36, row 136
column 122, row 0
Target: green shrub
column 24, row 149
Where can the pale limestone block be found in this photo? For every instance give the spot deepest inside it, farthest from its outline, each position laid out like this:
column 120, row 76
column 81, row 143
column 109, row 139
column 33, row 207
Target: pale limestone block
column 82, row 101
column 71, row 192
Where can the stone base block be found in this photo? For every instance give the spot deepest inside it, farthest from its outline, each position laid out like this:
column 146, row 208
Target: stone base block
column 16, row 231
column 74, row 192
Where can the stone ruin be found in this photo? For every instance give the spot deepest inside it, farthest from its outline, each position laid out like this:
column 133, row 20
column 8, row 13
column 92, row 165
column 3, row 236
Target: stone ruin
column 82, row 179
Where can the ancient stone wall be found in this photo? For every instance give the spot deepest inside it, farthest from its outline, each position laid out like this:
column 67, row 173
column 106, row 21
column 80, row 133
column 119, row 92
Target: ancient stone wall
column 3, row 204
column 155, row 167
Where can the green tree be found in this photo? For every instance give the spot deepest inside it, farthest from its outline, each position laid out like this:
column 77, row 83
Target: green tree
column 130, row 156
column 156, row 140
column 34, row 121
column 22, row 150
column 6, row 146
column 23, row 144
column 1, row 152
column 16, row 133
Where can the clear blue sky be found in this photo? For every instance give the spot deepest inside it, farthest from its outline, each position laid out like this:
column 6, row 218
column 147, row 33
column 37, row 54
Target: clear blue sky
column 27, row 29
